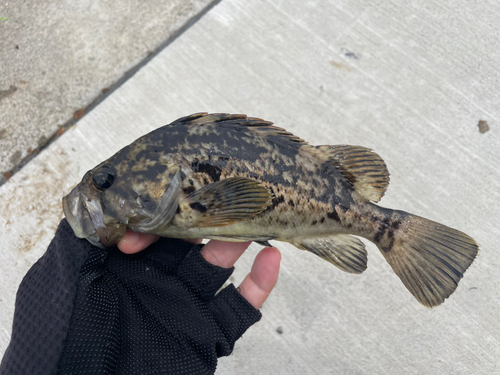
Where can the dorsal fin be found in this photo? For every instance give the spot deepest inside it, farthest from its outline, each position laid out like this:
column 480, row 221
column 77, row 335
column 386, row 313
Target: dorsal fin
column 204, row 118
column 263, row 127
column 362, row 167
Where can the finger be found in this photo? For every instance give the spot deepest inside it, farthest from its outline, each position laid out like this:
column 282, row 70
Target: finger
column 134, row 242
column 263, row 277
column 223, row 254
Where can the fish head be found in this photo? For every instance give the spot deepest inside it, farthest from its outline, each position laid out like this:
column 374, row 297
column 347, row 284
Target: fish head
column 111, row 198
column 84, row 208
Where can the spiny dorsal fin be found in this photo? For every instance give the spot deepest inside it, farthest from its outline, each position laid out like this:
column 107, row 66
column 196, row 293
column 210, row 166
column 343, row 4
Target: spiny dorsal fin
column 204, row 118
column 209, row 118
column 265, row 128
column 364, row 168
column 347, row 252
column 228, row 201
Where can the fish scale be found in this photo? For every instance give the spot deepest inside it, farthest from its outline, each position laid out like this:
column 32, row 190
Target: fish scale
column 237, row 178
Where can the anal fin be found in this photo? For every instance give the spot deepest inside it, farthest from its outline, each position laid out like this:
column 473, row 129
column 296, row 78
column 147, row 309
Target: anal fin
column 346, row 252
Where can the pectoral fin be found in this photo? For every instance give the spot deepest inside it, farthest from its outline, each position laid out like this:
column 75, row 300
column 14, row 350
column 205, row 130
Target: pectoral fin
column 347, row 252
column 228, row 201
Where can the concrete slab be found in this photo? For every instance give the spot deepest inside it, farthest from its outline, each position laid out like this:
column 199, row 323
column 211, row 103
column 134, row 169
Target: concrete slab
column 58, row 56
column 411, row 81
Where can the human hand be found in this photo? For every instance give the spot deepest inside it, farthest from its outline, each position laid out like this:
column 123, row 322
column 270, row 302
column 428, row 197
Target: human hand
column 159, row 305
column 256, row 286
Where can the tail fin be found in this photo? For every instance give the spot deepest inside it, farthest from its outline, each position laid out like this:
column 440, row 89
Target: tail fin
column 428, row 257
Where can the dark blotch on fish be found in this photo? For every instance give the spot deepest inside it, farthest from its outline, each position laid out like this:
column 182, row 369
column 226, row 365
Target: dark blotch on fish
column 333, row 215
column 199, row 207
column 189, row 190
column 211, row 170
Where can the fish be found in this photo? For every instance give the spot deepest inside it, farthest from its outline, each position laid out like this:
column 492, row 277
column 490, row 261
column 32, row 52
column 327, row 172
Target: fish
column 237, row 178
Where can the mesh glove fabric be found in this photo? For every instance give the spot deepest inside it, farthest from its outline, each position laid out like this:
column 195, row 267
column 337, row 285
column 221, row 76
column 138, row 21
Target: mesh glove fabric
column 84, row 310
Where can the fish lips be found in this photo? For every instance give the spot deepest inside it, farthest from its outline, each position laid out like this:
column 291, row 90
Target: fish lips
column 77, row 214
column 85, row 216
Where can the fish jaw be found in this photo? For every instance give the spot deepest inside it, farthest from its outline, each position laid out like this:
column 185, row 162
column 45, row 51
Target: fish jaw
column 86, row 218
column 77, row 214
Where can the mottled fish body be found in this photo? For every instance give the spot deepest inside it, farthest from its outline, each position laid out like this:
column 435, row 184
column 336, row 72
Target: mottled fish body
column 236, row 178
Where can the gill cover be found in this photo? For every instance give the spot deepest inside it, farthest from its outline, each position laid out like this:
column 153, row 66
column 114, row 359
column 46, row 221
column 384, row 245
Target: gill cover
column 165, row 211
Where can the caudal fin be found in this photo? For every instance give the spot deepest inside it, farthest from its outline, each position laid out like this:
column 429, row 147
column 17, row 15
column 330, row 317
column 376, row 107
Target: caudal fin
column 430, row 258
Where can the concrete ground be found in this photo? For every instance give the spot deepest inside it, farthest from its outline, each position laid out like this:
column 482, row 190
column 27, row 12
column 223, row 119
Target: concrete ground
column 57, row 57
column 417, row 82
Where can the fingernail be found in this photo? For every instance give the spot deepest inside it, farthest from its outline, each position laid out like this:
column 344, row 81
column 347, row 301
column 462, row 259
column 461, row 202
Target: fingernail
column 131, row 238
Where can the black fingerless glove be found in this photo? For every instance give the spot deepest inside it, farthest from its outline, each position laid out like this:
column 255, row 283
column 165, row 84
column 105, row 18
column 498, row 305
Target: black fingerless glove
column 83, row 310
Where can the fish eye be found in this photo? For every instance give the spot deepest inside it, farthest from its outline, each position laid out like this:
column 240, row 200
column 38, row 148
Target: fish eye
column 103, row 178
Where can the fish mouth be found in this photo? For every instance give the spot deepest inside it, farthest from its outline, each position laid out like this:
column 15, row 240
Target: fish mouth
column 77, row 214
column 85, row 217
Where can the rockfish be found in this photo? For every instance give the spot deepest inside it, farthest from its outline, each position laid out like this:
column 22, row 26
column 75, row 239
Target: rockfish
column 236, row 178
